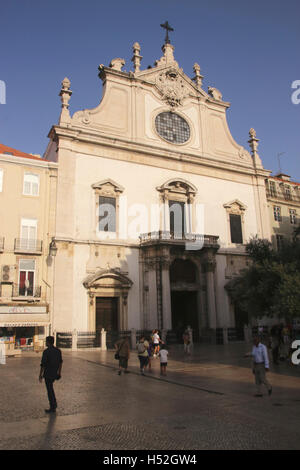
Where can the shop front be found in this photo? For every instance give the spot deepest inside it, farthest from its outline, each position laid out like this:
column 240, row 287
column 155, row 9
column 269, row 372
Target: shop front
column 24, row 327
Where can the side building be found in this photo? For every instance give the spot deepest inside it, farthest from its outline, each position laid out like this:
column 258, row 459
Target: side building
column 27, row 214
column 283, row 197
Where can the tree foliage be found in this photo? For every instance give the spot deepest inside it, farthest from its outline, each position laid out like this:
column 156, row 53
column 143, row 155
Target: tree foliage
column 271, row 284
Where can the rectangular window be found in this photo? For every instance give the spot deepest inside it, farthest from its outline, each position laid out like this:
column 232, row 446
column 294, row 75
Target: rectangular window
column 277, row 213
column 107, row 214
column 177, row 219
column 31, row 184
column 26, row 277
column 272, row 189
column 293, row 219
column 287, row 193
column 28, row 234
column 236, row 228
column 1, row 180
column 279, row 241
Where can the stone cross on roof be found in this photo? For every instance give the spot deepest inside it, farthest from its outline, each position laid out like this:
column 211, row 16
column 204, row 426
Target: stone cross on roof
column 168, row 28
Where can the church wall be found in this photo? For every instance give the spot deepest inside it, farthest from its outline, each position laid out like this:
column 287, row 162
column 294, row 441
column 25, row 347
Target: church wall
column 140, row 188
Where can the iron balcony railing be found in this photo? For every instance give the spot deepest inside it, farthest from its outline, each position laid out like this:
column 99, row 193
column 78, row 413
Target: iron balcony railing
column 28, row 246
column 23, row 291
column 164, row 236
column 281, row 196
column 1, row 243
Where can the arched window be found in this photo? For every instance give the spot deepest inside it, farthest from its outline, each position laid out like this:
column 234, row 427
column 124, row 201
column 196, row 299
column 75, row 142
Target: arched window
column 178, row 197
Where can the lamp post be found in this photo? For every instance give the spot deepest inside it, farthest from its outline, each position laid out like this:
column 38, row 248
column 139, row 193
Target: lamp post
column 52, row 254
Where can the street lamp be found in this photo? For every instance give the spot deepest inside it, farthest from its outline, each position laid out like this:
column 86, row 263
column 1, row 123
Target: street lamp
column 52, row 248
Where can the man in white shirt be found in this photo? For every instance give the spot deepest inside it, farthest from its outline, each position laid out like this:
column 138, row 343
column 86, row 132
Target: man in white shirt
column 260, row 366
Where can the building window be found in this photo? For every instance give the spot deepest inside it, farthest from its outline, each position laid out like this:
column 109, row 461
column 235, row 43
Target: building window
column 236, row 228
column 293, row 219
column 107, row 214
column 236, row 221
column 177, row 219
column 277, row 213
column 31, row 184
column 272, row 189
column 26, row 277
column 279, row 242
column 287, row 193
column 1, row 180
column 28, row 234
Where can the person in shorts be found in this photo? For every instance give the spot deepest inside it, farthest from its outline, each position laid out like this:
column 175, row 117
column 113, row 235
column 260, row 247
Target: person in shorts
column 163, row 354
column 156, row 341
column 142, row 348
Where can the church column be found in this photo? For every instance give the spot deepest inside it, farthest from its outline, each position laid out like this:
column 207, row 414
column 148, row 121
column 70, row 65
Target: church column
column 209, row 266
column 152, row 297
column 166, row 292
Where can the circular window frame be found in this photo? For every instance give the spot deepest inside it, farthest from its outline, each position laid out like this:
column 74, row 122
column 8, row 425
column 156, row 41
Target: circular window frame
column 182, row 117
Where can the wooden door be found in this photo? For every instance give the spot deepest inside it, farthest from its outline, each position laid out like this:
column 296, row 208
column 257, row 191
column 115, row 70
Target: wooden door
column 107, row 313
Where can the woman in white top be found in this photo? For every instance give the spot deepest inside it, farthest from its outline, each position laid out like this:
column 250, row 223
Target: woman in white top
column 156, row 341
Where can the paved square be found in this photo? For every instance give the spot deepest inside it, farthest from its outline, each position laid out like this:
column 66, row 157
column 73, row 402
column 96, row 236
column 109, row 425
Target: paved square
column 205, row 402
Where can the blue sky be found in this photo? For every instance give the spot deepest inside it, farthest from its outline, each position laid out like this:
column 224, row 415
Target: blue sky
column 248, row 50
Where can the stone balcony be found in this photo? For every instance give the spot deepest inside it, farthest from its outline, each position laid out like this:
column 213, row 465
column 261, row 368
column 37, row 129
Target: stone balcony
column 164, row 237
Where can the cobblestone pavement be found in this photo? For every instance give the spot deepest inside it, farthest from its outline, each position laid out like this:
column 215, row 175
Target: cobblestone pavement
column 205, row 402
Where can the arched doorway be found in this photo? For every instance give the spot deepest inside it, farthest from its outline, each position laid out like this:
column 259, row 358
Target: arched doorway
column 184, row 297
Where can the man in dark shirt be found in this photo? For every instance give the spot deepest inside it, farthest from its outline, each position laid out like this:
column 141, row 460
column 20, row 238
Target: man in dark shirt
column 51, row 370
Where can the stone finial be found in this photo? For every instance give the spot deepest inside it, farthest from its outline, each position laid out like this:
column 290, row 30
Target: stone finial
column 65, row 95
column 198, row 77
column 117, row 64
column 136, row 59
column 253, row 142
column 168, row 57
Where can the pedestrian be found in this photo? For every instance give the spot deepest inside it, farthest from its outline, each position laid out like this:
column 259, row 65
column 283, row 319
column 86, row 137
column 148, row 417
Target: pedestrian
column 51, row 366
column 186, row 342
column 123, row 350
column 260, row 366
column 156, row 341
column 143, row 356
column 163, row 354
column 150, row 355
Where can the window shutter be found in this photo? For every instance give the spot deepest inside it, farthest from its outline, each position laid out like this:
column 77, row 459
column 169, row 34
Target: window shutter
column 236, row 228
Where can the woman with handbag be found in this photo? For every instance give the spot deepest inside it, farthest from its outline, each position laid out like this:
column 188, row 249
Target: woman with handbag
column 122, row 354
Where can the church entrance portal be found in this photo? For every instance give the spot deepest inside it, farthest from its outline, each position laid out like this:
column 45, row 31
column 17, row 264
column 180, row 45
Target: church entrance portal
column 106, row 315
column 184, row 313
column 184, row 305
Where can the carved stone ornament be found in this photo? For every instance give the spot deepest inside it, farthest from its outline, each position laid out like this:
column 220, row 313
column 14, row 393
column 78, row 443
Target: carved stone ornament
column 215, row 93
column 172, row 87
column 244, row 154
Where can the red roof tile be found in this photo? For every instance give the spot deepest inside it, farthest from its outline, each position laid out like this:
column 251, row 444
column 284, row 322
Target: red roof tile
column 17, row 153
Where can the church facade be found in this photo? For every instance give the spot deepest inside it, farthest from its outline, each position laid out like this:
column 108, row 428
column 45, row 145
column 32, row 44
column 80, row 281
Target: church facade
column 155, row 203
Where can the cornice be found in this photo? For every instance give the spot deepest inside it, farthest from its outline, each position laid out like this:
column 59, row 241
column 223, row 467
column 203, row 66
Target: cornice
column 86, row 136
column 27, row 162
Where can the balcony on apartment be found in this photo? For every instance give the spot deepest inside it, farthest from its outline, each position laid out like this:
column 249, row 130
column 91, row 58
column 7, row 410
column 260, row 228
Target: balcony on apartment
column 26, row 292
column 28, row 246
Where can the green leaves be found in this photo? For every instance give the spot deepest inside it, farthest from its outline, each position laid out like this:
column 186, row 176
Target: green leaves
column 271, row 285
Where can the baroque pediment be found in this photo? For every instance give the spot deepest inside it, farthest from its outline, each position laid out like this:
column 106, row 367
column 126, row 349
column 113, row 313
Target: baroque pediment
column 108, row 278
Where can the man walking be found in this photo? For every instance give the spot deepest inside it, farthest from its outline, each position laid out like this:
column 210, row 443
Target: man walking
column 260, row 366
column 51, row 366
